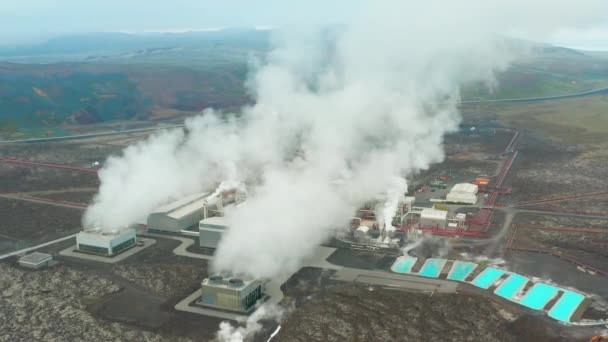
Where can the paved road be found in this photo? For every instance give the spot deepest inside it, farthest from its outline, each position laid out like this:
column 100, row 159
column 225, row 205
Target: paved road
column 25, row 250
column 181, row 249
column 538, row 99
column 402, row 281
column 90, row 135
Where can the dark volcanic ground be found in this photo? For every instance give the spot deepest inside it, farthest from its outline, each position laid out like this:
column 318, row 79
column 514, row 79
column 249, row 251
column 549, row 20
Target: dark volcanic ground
column 353, row 312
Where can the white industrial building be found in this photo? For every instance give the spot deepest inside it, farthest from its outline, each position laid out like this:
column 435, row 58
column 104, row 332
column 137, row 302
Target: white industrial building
column 433, row 218
column 211, row 230
column 231, row 293
column 179, row 215
column 465, row 193
column 105, row 243
column 35, row 260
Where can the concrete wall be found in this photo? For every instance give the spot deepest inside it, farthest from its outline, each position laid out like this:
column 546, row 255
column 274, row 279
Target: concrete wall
column 210, row 238
column 163, row 222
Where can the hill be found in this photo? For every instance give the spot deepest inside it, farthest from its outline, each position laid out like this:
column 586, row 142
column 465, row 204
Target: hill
column 68, row 83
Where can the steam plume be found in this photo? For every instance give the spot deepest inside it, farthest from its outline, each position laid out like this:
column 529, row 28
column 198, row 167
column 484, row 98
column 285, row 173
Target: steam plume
column 250, row 326
column 366, row 102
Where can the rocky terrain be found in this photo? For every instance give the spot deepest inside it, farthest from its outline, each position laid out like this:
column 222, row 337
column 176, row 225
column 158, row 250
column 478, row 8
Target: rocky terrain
column 165, row 280
column 50, row 305
column 359, row 313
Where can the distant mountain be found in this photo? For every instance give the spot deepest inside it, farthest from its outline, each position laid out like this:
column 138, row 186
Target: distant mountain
column 73, row 81
column 115, row 45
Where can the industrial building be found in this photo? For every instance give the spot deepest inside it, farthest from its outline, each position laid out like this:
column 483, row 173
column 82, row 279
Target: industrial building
column 36, row 260
column 433, row 218
column 230, row 293
column 179, row 215
column 464, row 193
column 105, row 243
column 211, row 230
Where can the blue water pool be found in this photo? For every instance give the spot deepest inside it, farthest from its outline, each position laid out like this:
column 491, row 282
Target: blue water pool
column 432, row 268
column 461, row 270
column 404, row 264
column 538, row 296
column 488, row 277
column 566, row 305
column 511, row 286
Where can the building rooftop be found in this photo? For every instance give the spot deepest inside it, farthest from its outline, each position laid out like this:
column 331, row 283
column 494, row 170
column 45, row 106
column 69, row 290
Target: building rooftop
column 465, row 187
column 169, row 207
column 225, row 282
column 188, row 208
column 215, row 221
column 434, row 214
column 36, row 258
column 106, row 235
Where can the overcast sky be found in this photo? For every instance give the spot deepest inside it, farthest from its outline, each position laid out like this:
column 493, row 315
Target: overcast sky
column 23, row 21
column 26, row 19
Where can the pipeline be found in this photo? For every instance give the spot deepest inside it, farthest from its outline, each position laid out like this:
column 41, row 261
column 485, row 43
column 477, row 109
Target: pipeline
column 561, row 198
column 568, row 229
column 561, row 256
column 14, row 160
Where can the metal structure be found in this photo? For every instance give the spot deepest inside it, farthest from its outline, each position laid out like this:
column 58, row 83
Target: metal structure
column 14, row 160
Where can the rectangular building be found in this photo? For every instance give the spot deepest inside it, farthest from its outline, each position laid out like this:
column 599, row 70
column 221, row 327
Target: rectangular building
column 35, row 260
column 464, row 193
column 179, row 215
column 433, row 218
column 211, row 230
column 230, row 293
column 106, row 244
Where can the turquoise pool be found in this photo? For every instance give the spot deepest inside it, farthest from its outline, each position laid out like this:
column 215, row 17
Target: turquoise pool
column 404, row 264
column 461, row 270
column 511, row 286
column 538, row 296
column 565, row 307
column 488, row 277
column 432, row 268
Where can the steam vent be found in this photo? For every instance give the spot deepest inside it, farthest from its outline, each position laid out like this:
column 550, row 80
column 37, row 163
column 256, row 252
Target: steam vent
column 224, row 291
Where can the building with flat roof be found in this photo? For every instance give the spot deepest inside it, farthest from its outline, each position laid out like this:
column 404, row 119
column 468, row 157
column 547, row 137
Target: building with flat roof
column 227, row 292
column 465, row 193
column 179, row 215
column 106, row 244
column 211, row 231
column 433, row 218
column 35, row 260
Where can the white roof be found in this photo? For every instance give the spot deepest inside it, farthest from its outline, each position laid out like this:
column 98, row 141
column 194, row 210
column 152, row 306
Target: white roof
column 431, row 213
column 36, row 258
column 465, row 187
column 100, row 235
column 188, row 209
column 169, row 207
column 215, row 220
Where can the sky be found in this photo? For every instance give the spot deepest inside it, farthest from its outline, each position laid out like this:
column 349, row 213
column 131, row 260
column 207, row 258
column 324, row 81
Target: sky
column 34, row 19
column 28, row 21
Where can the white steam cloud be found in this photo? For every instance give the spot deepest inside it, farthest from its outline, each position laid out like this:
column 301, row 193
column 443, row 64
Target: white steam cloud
column 366, row 102
column 250, row 326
